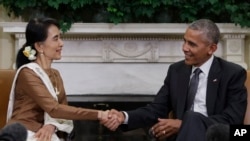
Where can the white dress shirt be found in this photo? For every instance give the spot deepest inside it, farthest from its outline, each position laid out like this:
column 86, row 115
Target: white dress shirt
column 200, row 97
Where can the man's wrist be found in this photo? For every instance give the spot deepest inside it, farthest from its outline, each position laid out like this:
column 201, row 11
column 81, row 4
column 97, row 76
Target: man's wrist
column 125, row 115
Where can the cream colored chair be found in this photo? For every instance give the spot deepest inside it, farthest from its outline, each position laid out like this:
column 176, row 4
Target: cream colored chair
column 6, row 78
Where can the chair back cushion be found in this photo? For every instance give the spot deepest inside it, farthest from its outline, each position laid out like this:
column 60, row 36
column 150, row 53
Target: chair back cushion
column 247, row 115
column 6, row 78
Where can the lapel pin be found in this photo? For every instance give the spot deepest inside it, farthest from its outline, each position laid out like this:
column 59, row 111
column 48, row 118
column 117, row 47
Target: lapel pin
column 215, row 80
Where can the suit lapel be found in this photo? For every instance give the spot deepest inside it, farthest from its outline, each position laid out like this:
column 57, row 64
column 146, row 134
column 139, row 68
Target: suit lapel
column 212, row 86
column 183, row 83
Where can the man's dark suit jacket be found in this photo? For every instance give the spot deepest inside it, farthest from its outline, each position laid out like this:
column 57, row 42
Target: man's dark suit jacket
column 226, row 96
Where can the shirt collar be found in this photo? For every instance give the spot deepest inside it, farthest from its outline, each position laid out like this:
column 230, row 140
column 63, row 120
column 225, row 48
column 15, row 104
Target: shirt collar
column 206, row 66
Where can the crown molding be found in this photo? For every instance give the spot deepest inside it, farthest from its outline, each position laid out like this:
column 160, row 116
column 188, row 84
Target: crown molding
column 126, row 28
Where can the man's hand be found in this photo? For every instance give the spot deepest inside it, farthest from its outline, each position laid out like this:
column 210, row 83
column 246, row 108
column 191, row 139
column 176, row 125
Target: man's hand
column 165, row 128
column 120, row 115
column 45, row 133
column 113, row 120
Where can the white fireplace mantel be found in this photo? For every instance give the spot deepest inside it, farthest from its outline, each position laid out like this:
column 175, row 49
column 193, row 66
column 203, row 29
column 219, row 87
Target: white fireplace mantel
column 131, row 28
column 101, row 58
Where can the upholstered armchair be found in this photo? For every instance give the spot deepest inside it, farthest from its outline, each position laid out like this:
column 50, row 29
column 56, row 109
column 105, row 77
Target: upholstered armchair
column 6, row 78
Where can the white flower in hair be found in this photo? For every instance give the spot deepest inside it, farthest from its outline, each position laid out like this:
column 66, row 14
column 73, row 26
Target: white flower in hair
column 30, row 53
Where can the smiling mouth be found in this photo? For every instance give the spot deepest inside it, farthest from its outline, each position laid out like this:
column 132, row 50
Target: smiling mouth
column 188, row 56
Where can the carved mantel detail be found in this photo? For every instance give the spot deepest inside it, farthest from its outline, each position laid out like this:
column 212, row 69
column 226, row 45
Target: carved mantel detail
column 234, row 48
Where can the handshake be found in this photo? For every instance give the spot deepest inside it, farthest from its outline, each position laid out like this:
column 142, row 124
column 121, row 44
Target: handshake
column 163, row 129
column 111, row 118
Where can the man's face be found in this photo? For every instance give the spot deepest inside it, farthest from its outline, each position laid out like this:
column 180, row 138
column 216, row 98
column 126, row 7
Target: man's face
column 197, row 48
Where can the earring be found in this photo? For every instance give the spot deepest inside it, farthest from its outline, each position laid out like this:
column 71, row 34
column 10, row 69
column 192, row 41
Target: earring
column 41, row 53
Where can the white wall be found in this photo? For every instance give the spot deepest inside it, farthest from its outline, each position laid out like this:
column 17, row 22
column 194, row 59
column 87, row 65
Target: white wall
column 7, row 42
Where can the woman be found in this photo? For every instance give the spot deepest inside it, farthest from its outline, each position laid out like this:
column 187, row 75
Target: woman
column 38, row 99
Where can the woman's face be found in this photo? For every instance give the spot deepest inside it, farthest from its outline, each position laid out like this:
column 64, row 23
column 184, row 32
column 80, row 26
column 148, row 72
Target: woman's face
column 52, row 46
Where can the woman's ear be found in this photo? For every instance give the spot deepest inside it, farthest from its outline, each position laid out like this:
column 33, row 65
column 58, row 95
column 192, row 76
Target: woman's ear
column 39, row 47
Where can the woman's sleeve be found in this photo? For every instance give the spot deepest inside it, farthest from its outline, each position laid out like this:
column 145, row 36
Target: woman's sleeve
column 33, row 86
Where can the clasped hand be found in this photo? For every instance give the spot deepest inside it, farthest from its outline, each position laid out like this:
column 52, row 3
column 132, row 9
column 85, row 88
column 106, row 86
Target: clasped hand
column 112, row 119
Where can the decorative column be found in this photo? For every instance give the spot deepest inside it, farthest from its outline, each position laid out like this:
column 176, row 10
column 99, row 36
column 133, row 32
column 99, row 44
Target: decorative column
column 19, row 41
column 234, row 45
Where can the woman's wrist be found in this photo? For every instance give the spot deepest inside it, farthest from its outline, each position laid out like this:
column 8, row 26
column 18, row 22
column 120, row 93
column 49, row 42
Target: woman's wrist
column 55, row 128
column 100, row 114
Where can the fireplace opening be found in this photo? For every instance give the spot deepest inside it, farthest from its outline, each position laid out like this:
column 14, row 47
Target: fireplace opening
column 94, row 131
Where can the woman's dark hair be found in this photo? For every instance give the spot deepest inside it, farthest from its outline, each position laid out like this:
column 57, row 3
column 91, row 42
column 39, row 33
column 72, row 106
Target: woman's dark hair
column 36, row 31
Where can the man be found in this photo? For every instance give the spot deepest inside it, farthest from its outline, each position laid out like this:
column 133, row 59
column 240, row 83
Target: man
column 218, row 92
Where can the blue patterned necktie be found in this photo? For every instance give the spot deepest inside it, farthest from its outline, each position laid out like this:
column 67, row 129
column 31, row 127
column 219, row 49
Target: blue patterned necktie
column 193, row 85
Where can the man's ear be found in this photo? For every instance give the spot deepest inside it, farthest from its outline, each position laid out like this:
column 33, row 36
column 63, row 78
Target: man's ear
column 212, row 49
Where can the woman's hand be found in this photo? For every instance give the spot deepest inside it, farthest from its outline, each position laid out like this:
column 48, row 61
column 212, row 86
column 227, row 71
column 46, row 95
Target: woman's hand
column 45, row 133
